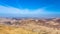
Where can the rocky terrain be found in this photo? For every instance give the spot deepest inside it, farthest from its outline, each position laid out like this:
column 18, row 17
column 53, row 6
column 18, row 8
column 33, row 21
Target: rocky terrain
column 52, row 23
column 46, row 26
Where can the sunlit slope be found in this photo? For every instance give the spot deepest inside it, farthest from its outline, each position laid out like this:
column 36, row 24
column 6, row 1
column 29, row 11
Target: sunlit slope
column 19, row 30
column 14, row 30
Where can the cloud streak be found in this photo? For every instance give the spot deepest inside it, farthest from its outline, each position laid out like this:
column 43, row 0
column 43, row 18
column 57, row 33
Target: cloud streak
column 41, row 12
column 12, row 10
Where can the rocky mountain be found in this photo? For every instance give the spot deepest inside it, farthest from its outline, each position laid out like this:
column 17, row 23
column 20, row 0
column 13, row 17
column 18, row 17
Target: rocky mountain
column 52, row 23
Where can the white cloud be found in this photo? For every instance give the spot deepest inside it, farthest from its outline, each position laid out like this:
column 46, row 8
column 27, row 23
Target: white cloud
column 12, row 10
column 4, row 9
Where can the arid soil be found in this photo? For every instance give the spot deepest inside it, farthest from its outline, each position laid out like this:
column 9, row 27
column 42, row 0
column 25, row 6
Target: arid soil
column 34, row 25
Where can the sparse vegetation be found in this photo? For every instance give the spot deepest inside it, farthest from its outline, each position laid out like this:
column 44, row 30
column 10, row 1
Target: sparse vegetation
column 28, row 27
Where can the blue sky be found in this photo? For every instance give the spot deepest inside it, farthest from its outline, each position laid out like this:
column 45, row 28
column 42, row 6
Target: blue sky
column 30, row 8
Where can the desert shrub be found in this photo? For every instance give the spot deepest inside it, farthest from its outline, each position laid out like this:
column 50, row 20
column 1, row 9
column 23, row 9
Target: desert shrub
column 8, row 23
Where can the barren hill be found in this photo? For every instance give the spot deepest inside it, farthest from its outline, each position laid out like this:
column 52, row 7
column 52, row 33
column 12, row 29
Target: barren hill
column 32, row 25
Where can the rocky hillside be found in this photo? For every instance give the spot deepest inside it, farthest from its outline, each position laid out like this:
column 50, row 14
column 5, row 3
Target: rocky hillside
column 30, row 26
